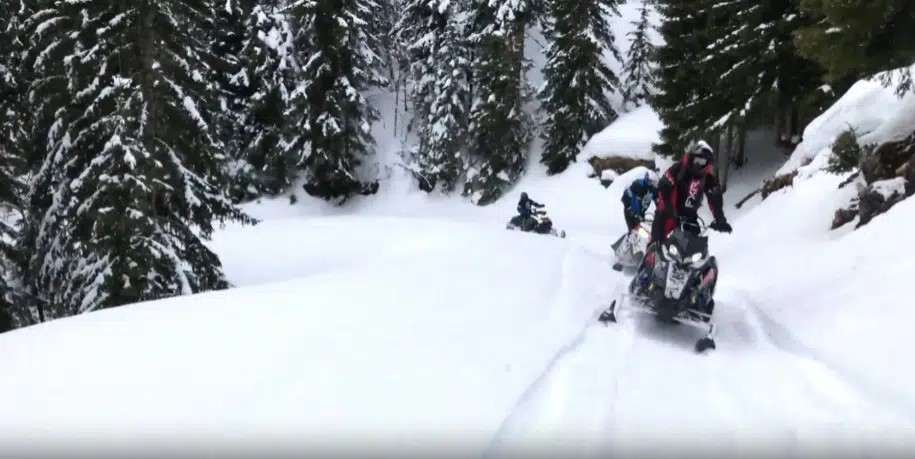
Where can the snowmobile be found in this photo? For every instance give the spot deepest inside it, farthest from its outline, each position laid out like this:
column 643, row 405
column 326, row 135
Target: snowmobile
column 681, row 287
column 629, row 249
column 539, row 223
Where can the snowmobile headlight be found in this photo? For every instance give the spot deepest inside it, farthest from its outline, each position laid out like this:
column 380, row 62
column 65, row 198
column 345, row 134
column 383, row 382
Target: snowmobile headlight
column 672, row 249
column 695, row 258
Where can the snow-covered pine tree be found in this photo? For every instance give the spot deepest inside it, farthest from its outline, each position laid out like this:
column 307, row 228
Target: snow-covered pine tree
column 331, row 115
column 229, row 33
column 439, row 65
column 682, row 82
column 269, row 71
column 500, row 130
column 638, row 71
column 131, row 183
column 14, row 111
column 578, row 79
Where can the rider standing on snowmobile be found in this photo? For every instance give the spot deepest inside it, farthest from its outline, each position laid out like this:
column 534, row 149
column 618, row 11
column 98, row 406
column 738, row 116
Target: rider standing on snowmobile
column 525, row 207
column 636, row 198
column 680, row 193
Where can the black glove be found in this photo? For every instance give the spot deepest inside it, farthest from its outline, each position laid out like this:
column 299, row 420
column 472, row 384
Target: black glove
column 721, row 225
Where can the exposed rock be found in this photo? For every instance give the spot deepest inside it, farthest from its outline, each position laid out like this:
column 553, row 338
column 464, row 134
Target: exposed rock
column 889, row 174
column 884, row 162
column 618, row 164
column 777, row 183
column 878, row 198
column 844, row 216
column 907, row 172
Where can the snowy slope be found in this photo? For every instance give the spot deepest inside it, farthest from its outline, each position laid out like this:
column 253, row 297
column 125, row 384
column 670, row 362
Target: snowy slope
column 873, row 110
column 418, row 323
column 414, row 334
column 385, row 328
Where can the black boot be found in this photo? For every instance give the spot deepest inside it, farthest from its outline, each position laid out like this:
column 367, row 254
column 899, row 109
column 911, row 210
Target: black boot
column 617, row 266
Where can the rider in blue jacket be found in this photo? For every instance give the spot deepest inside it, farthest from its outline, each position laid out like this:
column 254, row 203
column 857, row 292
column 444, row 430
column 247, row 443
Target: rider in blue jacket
column 636, row 199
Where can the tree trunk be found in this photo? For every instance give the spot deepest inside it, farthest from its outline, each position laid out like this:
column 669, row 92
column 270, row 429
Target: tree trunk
column 779, row 122
column 793, row 122
column 723, row 164
column 518, row 51
column 741, row 159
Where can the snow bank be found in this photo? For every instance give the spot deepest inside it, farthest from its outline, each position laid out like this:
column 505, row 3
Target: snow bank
column 840, row 297
column 630, row 136
column 874, row 111
column 398, row 330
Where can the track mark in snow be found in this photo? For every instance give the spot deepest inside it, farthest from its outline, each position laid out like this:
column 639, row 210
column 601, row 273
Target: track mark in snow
column 526, row 402
column 572, row 409
column 829, row 372
column 543, row 410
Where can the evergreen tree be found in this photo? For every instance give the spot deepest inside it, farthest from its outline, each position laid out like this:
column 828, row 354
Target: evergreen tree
column 233, row 83
column 578, row 80
column 639, row 70
column 14, row 307
column 683, row 85
column 500, row 130
column 269, row 74
column 131, row 182
column 439, row 64
column 256, row 74
column 857, row 38
column 340, row 61
column 754, row 57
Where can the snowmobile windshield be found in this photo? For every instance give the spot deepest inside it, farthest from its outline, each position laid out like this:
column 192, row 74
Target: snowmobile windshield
column 687, row 243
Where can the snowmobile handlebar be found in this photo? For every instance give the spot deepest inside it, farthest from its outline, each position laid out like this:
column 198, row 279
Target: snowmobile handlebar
column 699, row 224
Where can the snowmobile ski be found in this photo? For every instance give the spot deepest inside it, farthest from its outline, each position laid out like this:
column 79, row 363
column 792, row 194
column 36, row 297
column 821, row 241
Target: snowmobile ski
column 608, row 315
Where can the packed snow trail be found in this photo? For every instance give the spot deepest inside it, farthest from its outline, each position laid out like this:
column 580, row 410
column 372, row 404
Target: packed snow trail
column 623, row 387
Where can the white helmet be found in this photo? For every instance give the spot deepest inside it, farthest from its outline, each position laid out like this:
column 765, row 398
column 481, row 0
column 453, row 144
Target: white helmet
column 651, row 177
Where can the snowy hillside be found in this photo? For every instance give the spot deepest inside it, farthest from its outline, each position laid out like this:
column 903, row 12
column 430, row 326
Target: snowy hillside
column 406, row 322
column 385, row 326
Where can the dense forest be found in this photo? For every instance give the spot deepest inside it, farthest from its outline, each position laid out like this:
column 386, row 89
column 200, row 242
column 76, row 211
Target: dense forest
column 128, row 130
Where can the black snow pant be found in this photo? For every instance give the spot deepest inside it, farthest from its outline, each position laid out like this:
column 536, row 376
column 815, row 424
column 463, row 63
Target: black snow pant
column 631, row 220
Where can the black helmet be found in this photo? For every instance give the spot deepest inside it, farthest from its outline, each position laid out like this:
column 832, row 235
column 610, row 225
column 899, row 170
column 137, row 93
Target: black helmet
column 698, row 156
column 523, row 195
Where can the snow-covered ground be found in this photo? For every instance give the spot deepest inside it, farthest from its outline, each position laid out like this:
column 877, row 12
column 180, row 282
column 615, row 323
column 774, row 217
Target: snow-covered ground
column 408, row 323
column 410, row 330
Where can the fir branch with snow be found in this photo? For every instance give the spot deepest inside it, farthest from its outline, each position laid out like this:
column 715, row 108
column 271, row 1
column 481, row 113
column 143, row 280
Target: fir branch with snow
column 578, row 79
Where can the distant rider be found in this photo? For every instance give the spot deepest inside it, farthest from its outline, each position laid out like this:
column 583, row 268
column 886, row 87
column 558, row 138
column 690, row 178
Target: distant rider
column 525, row 208
column 680, row 192
column 641, row 192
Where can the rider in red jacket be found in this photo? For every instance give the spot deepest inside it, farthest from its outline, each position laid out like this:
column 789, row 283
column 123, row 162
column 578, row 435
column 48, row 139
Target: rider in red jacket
column 680, row 193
